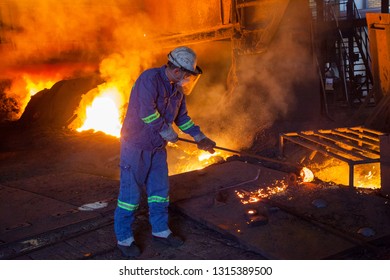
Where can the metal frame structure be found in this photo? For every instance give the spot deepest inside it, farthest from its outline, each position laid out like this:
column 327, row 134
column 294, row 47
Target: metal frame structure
column 354, row 146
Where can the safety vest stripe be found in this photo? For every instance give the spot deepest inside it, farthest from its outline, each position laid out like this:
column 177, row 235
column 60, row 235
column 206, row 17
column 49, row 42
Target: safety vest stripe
column 127, row 206
column 157, row 199
column 152, row 117
column 187, row 125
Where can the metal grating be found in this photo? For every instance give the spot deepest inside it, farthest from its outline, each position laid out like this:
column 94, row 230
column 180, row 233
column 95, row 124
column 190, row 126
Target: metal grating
column 354, row 145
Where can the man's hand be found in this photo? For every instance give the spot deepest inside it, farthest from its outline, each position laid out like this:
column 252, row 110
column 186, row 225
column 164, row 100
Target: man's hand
column 169, row 134
column 205, row 143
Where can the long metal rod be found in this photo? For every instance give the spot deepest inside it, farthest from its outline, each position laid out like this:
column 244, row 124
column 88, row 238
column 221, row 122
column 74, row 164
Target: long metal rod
column 246, row 154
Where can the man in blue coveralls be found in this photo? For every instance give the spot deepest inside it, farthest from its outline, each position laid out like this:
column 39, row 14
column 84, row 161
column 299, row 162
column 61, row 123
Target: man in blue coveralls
column 156, row 102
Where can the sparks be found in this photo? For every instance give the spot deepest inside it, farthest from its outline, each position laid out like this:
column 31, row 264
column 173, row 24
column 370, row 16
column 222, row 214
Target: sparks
column 255, row 196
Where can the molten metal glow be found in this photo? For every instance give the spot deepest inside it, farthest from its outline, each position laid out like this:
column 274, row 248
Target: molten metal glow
column 368, row 177
column 184, row 158
column 307, row 175
column 190, row 163
column 103, row 114
column 255, row 196
column 365, row 175
column 206, row 155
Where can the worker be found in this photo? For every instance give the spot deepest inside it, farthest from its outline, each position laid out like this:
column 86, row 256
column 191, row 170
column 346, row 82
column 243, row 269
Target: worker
column 157, row 101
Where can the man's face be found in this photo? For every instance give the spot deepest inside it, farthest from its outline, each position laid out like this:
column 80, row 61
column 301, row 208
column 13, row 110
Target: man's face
column 181, row 75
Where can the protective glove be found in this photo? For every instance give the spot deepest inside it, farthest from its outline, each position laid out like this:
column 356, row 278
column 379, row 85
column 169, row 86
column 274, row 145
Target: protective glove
column 169, row 134
column 205, row 143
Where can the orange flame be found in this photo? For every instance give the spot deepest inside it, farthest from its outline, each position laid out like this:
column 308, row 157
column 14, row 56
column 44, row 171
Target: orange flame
column 190, row 158
column 33, row 87
column 103, row 114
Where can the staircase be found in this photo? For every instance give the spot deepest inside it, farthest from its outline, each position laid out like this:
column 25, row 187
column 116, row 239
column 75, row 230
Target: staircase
column 355, row 53
column 342, row 49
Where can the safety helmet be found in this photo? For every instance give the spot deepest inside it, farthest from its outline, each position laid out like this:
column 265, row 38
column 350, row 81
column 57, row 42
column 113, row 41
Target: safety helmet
column 185, row 59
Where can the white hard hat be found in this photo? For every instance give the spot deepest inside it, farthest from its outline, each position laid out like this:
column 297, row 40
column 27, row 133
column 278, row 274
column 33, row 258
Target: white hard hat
column 185, row 58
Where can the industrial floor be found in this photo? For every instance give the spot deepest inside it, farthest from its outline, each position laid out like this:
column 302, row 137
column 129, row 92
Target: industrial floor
column 58, row 192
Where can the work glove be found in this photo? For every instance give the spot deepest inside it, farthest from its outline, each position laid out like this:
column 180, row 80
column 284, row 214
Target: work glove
column 204, row 143
column 169, row 134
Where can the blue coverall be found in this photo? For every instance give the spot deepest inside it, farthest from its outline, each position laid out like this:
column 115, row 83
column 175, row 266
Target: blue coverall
column 154, row 104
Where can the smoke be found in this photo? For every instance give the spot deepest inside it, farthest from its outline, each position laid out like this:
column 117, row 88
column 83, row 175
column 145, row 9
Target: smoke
column 47, row 41
column 47, row 29
column 53, row 40
column 271, row 86
column 235, row 115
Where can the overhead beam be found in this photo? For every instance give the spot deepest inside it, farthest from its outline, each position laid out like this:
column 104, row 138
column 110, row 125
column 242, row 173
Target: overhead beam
column 222, row 32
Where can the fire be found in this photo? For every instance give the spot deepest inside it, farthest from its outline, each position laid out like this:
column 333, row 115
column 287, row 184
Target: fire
column 206, row 155
column 33, row 87
column 184, row 158
column 102, row 110
column 103, row 114
column 306, row 175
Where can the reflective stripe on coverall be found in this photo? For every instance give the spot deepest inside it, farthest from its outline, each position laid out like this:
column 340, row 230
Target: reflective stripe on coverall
column 149, row 171
column 154, row 104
